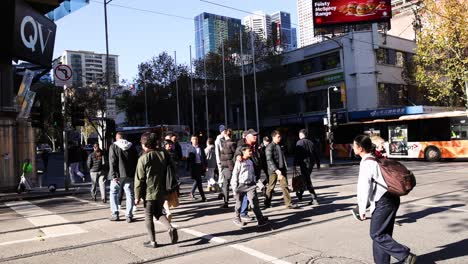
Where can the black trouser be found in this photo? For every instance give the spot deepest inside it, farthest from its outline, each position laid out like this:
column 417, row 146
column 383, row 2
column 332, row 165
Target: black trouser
column 265, row 170
column 381, row 230
column 154, row 208
column 227, row 173
column 196, row 175
column 306, row 171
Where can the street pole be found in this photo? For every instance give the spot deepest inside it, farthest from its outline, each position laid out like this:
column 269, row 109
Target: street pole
column 191, row 88
column 65, row 141
column 255, row 80
column 224, row 84
column 341, row 46
column 177, row 88
column 466, row 93
column 109, row 94
column 206, row 94
column 329, row 122
column 243, row 81
column 146, row 101
column 238, row 122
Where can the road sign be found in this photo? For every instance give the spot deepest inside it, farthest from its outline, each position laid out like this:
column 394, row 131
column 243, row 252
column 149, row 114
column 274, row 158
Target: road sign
column 63, row 75
column 111, row 109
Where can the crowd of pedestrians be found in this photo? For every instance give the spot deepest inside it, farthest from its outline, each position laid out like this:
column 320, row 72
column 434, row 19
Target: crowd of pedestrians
column 152, row 177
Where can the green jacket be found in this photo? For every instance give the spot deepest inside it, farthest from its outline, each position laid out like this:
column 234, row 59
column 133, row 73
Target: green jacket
column 150, row 175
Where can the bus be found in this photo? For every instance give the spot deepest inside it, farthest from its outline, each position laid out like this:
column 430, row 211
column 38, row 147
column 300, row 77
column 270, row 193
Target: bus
column 426, row 136
column 133, row 134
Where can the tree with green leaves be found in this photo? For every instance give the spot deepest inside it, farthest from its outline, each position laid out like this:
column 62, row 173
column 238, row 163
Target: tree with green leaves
column 49, row 98
column 441, row 61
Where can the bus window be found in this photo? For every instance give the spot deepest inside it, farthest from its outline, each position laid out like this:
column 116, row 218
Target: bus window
column 459, row 129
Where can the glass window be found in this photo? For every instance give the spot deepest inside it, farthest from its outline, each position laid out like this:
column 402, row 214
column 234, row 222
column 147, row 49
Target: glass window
column 399, row 59
column 393, row 94
column 459, row 128
column 381, row 56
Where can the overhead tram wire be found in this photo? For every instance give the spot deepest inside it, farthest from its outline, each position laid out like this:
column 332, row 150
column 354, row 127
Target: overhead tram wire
column 303, row 26
column 145, row 10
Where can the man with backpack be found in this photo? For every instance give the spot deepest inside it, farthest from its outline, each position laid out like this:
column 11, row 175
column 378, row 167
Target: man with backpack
column 123, row 159
column 384, row 205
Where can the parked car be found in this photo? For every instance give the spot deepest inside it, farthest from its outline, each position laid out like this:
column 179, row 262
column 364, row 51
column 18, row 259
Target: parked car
column 88, row 148
column 43, row 147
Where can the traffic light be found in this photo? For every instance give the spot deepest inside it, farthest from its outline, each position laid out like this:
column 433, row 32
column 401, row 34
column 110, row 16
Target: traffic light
column 110, row 128
column 334, row 119
column 78, row 116
column 35, row 116
column 57, row 120
column 36, row 119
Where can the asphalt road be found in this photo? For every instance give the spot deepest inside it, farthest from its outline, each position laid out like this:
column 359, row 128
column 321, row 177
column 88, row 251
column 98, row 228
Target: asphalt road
column 432, row 221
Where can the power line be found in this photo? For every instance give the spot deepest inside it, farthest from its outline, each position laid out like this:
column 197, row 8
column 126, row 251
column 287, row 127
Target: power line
column 303, row 26
column 145, row 10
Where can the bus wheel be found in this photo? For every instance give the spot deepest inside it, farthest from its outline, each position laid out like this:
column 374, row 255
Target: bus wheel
column 432, row 154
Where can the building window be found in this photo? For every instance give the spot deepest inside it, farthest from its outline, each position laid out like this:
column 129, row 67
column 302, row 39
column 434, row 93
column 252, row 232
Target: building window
column 391, row 57
column 316, row 64
column 393, row 95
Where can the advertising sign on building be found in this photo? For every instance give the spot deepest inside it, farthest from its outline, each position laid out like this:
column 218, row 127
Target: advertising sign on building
column 329, row 13
column 324, row 80
column 27, row 105
column 398, row 140
column 31, row 34
column 25, row 85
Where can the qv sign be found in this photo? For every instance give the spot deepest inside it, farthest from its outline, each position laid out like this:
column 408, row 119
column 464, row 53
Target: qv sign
column 33, row 35
column 30, row 41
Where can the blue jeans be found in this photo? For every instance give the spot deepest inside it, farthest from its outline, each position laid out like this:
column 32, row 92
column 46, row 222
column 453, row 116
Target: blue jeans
column 116, row 187
column 245, row 206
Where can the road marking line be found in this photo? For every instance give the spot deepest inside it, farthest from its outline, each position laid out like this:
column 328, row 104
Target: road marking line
column 41, row 217
column 445, row 207
column 239, row 247
column 258, row 254
column 86, row 201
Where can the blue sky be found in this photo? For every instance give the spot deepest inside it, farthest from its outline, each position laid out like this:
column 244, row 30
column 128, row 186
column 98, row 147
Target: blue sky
column 136, row 36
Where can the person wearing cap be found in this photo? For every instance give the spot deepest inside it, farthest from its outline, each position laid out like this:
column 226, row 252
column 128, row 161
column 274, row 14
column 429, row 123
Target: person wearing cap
column 251, row 140
column 277, row 168
column 218, row 148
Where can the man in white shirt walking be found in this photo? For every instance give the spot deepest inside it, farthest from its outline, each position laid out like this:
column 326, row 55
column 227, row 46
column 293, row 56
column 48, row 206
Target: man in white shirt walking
column 383, row 206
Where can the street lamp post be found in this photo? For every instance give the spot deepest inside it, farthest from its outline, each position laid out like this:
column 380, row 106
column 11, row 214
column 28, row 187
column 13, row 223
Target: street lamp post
column 109, row 94
column 344, row 71
column 335, row 89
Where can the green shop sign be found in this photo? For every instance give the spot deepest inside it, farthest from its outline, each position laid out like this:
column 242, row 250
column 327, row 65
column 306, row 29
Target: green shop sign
column 324, row 80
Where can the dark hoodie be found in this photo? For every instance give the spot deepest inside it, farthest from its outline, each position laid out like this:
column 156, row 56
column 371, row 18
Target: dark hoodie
column 123, row 159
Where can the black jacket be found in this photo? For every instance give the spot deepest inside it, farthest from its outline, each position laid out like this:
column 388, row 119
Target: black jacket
column 306, row 152
column 227, row 154
column 95, row 164
column 177, row 151
column 273, row 158
column 255, row 158
column 74, row 154
column 192, row 158
column 123, row 159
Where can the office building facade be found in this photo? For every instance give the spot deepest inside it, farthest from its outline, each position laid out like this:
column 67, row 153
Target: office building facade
column 306, row 23
column 211, row 30
column 90, row 68
column 260, row 23
column 281, row 24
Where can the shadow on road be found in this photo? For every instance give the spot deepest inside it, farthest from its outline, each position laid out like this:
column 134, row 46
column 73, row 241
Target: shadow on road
column 450, row 251
column 415, row 216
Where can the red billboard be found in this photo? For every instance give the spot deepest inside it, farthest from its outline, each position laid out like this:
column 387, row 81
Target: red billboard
column 341, row 12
